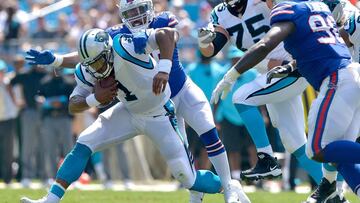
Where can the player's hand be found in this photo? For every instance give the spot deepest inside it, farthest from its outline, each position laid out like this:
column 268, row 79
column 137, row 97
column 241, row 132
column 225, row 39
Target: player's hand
column 278, row 72
column 159, row 82
column 35, row 57
column 105, row 95
column 205, row 37
column 140, row 39
column 222, row 89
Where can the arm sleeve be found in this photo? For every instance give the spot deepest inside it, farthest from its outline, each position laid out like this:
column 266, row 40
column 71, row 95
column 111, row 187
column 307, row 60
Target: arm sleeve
column 80, row 90
column 282, row 12
column 172, row 20
column 219, row 42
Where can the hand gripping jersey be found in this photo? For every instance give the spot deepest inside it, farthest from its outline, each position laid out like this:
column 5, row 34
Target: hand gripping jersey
column 134, row 73
column 247, row 29
column 316, row 44
column 352, row 27
column 177, row 75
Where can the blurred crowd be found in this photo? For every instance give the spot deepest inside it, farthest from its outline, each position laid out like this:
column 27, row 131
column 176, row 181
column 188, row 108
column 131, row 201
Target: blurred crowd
column 36, row 130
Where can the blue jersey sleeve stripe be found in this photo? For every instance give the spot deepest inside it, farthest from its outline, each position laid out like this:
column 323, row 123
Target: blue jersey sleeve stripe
column 80, row 75
column 173, row 22
column 281, row 12
column 125, row 55
column 280, row 7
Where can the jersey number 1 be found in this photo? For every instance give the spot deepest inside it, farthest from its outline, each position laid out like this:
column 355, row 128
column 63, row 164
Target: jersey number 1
column 128, row 95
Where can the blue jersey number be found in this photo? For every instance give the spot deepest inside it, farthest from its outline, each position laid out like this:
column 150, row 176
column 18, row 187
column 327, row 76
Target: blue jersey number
column 327, row 27
column 128, row 95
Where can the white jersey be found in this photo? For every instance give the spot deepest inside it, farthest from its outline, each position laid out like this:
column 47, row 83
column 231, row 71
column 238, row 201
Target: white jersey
column 352, row 27
column 249, row 28
column 134, row 73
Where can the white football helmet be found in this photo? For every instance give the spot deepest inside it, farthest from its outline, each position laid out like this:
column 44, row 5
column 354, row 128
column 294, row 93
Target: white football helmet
column 95, row 51
column 136, row 14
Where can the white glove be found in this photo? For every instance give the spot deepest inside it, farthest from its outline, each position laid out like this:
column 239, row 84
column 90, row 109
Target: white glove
column 224, row 86
column 205, row 37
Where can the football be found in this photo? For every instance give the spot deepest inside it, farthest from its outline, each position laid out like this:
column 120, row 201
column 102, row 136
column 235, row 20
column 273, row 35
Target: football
column 107, row 82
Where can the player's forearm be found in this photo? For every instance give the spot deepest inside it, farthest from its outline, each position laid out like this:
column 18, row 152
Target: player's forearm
column 78, row 104
column 70, row 60
column 252, row 57
column 166, row 40
column 345, row 36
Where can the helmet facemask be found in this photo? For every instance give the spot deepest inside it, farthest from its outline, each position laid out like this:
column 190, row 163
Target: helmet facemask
column 101, row 66
column 137, row 16
column 236, row 7
column 95, row 51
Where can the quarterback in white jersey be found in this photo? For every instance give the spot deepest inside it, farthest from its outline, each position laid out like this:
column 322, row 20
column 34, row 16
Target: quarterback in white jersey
column 245, row 22
column 113, row 69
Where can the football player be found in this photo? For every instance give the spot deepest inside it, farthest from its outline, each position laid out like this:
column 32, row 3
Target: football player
column 110, row 68
column 334, row 117
column 190, row 102
column 347, row 16
column 243, row 23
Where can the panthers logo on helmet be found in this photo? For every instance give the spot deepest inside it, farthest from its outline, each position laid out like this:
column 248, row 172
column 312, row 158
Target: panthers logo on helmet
column 101, row 37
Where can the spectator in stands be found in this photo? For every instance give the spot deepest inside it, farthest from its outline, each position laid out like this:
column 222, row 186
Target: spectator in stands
column 42, row 32
column 11, row 27
column 30, row 123
column 56, row 128
column 63, row 27
column 204, row 17
column 8, row 113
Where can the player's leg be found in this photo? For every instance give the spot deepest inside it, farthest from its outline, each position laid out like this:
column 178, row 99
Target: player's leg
column 173, row 148
column 112, row 126
column 193, row 106
column 288, row 117
column 256, row 93
column 333, row 127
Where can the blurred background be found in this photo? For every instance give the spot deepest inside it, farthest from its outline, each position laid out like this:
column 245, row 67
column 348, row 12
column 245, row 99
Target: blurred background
column 36, row 131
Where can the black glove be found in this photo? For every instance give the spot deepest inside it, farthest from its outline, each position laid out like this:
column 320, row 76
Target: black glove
column 278, row 72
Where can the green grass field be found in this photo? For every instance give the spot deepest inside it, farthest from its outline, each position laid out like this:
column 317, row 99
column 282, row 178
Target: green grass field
column 106, row 196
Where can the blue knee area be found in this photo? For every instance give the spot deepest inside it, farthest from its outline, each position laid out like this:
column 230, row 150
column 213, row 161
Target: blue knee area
column 212, row 142
column 311, row 167
column 74, row 163
column 351, row 174
column 207, row 182
column 254, row 124
column 96, row 158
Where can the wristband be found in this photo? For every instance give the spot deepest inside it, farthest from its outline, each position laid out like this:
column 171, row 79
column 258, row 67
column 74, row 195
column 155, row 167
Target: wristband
column 58, row 61
column 92, row 101
column 165, row 65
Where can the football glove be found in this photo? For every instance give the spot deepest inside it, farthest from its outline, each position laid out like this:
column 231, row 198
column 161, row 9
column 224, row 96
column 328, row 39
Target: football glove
column 45, row 57
column 140, row 39
column 278, row 72
column 224, row 86
column 205, row 37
